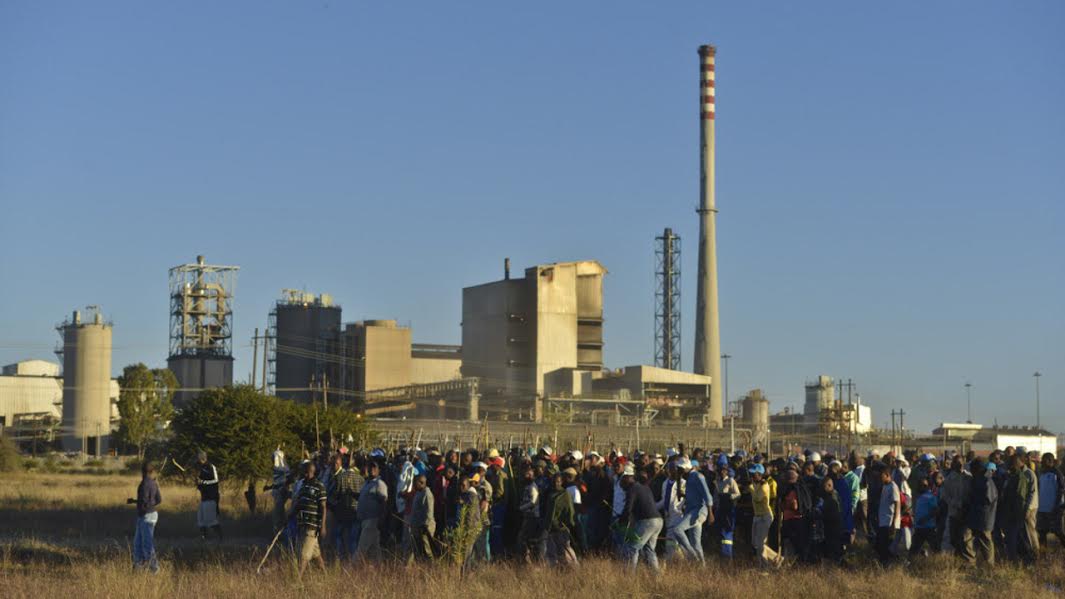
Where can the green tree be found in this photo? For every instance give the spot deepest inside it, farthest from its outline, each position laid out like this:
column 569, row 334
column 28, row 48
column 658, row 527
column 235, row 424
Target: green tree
column 238, row 427
column 333, row 425
column 144, row 403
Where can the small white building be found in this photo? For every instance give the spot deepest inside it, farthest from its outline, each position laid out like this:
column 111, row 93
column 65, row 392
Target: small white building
column 31, row 391
column 984, row 440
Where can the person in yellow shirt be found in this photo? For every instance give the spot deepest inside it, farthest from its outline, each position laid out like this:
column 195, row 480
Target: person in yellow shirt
column 762, row 497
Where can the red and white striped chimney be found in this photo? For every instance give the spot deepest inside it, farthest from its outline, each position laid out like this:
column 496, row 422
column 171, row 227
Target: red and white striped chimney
column 707, row 330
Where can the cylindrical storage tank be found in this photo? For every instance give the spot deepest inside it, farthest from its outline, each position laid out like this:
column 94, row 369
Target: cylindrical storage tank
column 306, row 348
column 760, row 414
column 86, row 386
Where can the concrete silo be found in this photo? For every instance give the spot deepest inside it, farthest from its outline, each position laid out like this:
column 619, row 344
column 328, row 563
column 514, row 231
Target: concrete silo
column 305, row 330
column 86, row 356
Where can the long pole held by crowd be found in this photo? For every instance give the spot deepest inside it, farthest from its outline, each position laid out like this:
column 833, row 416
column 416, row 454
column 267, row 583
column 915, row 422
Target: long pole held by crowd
column 1038, row 422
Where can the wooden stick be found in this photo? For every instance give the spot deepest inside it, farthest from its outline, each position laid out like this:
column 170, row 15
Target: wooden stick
column 270, row 548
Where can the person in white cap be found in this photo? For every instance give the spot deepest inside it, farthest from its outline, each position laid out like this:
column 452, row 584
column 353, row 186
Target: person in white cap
column 698, row 509
column 672, row 505
column 642, row 520
column 479, row 481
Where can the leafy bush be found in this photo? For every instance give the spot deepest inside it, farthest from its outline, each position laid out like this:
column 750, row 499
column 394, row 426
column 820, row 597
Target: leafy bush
column 51, row 465
column 31, row 464
column 93, row 463
column 239, row 428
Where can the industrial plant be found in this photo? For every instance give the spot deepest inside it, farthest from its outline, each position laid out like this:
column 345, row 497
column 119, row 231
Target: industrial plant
column 201, row 327
column 531, row 355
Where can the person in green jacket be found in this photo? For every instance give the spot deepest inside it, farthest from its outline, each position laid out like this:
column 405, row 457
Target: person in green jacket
column 560, row 521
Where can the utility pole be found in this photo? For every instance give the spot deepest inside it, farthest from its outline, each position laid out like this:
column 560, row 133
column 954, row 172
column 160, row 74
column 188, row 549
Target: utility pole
column 266, row 345
column 969, row 402
column 902, row 428
column 254, row 356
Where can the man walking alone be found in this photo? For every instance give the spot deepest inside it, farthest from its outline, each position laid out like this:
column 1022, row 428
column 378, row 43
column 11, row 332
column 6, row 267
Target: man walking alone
column 207, row 483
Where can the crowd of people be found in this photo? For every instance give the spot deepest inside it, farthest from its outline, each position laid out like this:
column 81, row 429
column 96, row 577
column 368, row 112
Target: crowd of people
column 472, row 507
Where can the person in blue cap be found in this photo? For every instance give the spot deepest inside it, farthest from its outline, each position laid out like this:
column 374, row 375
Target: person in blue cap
column 726, row 493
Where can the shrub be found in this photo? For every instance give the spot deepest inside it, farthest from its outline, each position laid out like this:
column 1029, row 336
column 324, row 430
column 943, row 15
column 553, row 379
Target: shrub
column 9, row 455
column 31, row 464
column 51, row 465
column 93, row 463
column 133, row 465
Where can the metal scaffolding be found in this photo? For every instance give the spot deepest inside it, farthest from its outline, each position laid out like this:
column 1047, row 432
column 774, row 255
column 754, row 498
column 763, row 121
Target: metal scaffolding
column 667, row 300
column 201, row 309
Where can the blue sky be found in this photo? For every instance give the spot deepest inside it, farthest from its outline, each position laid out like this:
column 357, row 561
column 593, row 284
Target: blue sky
column 890, row 178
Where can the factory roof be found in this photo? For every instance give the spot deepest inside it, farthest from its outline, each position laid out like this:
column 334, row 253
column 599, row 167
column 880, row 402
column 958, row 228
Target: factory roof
column 32, row 368
column 653, row 374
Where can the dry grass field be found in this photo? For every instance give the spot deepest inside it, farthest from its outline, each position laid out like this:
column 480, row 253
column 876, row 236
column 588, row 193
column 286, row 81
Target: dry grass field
column 70, row 534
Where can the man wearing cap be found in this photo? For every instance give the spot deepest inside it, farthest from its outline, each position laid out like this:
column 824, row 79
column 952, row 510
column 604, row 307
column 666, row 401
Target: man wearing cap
column 479, row 481
column 763, row 515
column 572, row 484
column 619, row 497
column 207, row 484
column 642, row 520
column 596, row 500
column 498, row 480
column 698, row 503
column 671, row 505
column 727, row 492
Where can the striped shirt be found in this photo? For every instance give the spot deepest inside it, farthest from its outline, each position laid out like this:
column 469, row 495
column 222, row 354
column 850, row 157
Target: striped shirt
column 309, row 504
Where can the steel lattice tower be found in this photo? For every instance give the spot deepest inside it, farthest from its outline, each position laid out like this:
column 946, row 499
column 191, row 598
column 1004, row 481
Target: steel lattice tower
column 667, row 300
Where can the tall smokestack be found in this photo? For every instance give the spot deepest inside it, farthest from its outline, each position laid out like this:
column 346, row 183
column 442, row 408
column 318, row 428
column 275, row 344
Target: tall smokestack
column 707, row 330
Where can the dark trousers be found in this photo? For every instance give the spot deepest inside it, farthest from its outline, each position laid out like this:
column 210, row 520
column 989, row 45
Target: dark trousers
column 922, row 536
column 958, row 536
column 794, row 532
column 532, row 539
column 984, row 546
column 884, row 536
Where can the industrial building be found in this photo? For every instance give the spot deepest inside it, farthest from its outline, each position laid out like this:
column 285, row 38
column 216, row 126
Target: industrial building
column 305, row 331
column 517, row 331
column 31, row 400
column 824, row 414
column 315, row 357
column 983, row 440
column 86, row 354
column 201, row 327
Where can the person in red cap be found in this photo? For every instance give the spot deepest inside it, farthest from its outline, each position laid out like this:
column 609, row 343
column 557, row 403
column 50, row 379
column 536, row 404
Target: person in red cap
column 497, row 477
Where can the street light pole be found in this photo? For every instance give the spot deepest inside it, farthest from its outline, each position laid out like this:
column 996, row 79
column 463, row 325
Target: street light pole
column 1038, row 424
column 969, row 401
column 725, row 359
